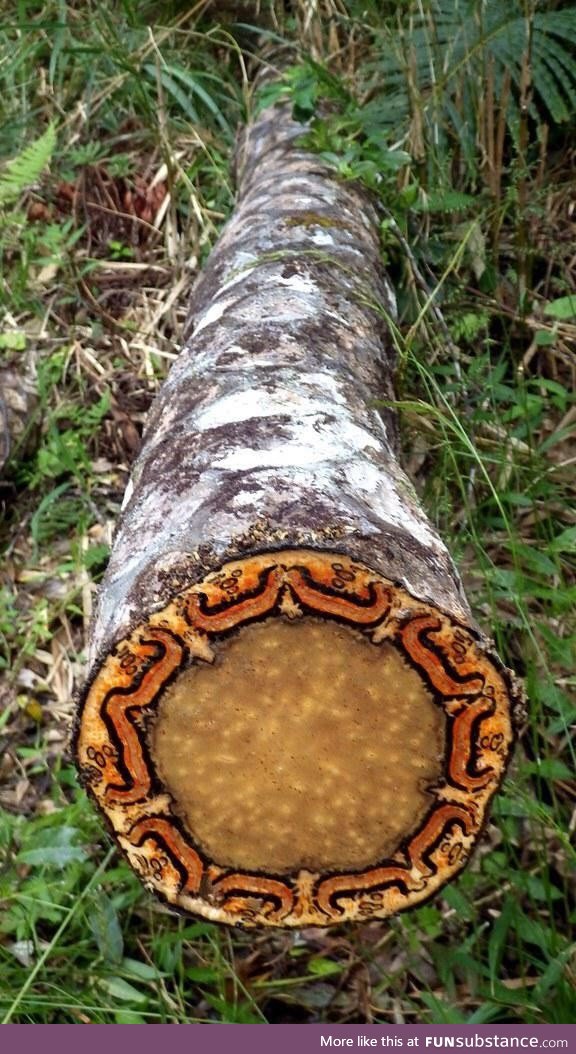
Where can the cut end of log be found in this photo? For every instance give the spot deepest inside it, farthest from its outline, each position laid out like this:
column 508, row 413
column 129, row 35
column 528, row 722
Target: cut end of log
column 296, row 741
column 286, row 730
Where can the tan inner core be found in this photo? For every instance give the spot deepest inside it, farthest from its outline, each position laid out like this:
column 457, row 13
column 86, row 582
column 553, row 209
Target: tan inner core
column 304, row 745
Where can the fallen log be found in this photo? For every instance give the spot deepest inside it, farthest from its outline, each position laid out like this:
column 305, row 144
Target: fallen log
column 291, row 717
column 18, row 408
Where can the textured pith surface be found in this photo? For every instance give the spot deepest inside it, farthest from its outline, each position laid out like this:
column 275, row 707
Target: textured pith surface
column 303, row 745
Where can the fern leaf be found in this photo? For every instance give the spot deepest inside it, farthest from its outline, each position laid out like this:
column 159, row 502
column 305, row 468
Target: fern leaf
column 26, row 168
column 448, row 200
column 548, row 91
column 562, row 71
column 557, row 23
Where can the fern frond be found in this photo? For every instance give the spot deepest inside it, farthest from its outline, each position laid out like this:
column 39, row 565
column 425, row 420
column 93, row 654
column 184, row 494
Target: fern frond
column 561, row 70
column 549, row 90
column 26, row 168
column 445, row 201
column 439, row 59
column 557, row 24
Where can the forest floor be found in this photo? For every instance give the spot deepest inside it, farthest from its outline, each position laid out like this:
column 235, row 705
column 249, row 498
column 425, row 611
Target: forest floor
column 119, row 122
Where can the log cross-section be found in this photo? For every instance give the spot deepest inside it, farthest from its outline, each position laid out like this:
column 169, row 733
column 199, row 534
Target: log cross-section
column 291, row 718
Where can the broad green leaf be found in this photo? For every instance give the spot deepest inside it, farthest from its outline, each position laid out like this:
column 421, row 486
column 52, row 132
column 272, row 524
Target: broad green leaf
column 565, row 542
column 14, row 340
column 544, row 338
column 53, row 848
column 103, row 922
column 139, row 970
column 549, row 768
column 323, row 967
column 118, row 988
column 202, row 974
column 128, row 1017
column 499, row 937
column 563, row 309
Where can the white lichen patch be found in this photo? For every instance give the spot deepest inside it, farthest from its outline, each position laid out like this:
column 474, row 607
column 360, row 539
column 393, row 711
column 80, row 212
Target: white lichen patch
column 301, row 400
column 312, row 442
column 211, row 315
column 127, row 495
column 297, row 282
column 385, row 496
column 320, row 237
column 277, row 308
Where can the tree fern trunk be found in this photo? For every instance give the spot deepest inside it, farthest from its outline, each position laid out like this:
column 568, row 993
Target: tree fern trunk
column 291, row 717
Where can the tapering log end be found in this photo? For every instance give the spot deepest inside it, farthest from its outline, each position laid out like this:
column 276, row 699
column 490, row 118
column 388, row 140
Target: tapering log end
column 296, row 740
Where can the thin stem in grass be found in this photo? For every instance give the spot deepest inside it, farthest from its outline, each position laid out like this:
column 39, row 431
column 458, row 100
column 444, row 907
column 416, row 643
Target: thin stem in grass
column 433, row 293
column 56, row 938
column 404, row 345
column 226, row 966
column 457, row 428
column 87, row 1008
column 525, row 101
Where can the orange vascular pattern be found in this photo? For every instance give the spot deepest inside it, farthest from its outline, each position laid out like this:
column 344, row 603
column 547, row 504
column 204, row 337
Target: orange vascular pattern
column 119, row 707
column 467, row 682
column 163, row 834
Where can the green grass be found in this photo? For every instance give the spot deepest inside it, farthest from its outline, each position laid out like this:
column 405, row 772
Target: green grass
column 90, row 259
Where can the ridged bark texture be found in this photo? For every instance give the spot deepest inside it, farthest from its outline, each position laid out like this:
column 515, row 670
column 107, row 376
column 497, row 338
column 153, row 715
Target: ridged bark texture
column 266, row 432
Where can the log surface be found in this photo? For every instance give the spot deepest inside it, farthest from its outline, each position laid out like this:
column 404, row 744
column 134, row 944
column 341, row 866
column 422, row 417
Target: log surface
column 266, row 433
column 288, row 773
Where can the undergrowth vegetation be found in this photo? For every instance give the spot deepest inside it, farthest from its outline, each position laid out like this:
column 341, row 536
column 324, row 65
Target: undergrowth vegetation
column 118, row 127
